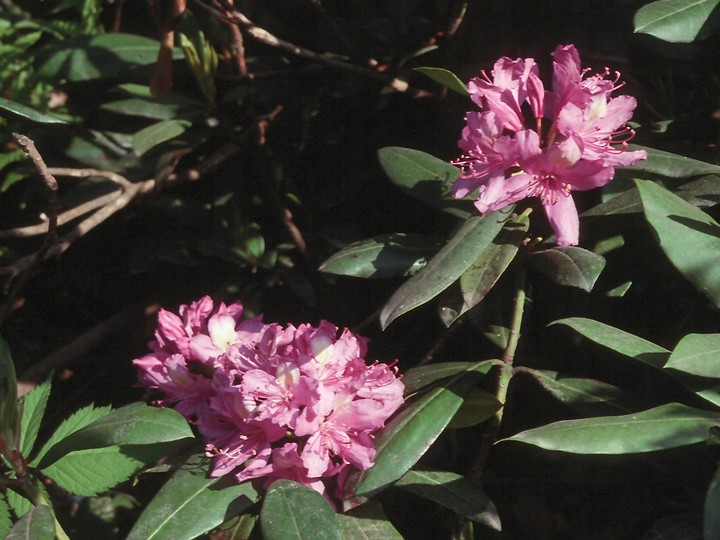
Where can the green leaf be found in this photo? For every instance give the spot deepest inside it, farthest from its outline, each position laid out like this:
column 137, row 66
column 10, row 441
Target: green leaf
column 36, row 524
column 409, row 434
column 8, row 396
column 292, row 511
column 89, row 472
column 455, row 492
column 474, row 236
column 144, row 108
column 79, row 419
column 34, row 403
column 477, row 407
column 425, row 177
column 669, row 164
column 445, row 77
column 5, row 518
column 384, row 256
column 618, row 340
column 29, row 113
column 587, row 396
column 689, row 237
column 482, row 275
column 417, row 378
column 191, row 503
column 569, row 266
column 697, row 354
column 711, row 521
column 367, row 522
column 667, row 426
column 134, row 424
column 677, row 21
column 93, row 57
column 151, row 136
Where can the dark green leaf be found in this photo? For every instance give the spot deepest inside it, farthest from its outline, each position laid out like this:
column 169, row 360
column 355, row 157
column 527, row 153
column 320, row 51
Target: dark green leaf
column 677, row 21
column 92, row 57
column 618, row 340
column 452, row 491
column 474, row 236
column 151, row 136
column 689, row 237
column 29, row 113
column 697, row 354
column 144, row 108
column 191, row 503
column 34, row 403
column 384, row 256
column 671, row 165
column 425, row 177
column 477, row 407
column 367, row 522
column 134, row 424
column 8, row 395
column 446, row 78
column 711, row 521
column 36, row 524
column 667, row 426
column 292, row 511
column 570, row 266
column 417, row 378
column 409, row 434
column 482, row 275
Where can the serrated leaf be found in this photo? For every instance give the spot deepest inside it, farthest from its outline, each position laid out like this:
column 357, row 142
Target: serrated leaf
column 445, row 77
column 19, row 504
column 134, row 424
column 677, row 21
column 89, row 472
column 667, row 426
column 587, row 396
column 28, row 113
column 697, row 354
column 425, row 177
column 191, row 503
column 618, row 340
column 689, row 237
column 384, row 256
column 455, row 492
column 34, row 403
column 409, row 434
column 292, row 511
column 367, row 522
column 477, row 407
column 5, row 518
column 570, row 266
column 151, row 136
column 36, row 524
column 711, row 519
column 417, row 378
column 77, row 420
column 474, row 236
column 477, row 281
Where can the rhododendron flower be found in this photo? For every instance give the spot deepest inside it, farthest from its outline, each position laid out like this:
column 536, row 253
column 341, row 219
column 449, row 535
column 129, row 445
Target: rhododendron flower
column 573, row 141
column 270, row 401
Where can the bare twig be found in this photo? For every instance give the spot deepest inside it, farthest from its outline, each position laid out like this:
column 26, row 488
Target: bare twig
column 265, row 37
column 215, row 160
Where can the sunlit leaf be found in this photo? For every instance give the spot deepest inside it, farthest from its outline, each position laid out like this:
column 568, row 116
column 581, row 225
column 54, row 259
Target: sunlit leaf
column 697, row 354
column 677, row 21
column 134, row 424
column 667, row 426
column 569, row 266
column 452, row 491
column 689, row 237
column 29, row 113
column 384, row 256
column 473, row 237
column 33, row 403
column 5, row 518
column 292, row 511
column 367, row 522
column 446, row 78
column 409, row 434
column 477, row 407
column 36, row 524
column 425, row 177
column 191, row 503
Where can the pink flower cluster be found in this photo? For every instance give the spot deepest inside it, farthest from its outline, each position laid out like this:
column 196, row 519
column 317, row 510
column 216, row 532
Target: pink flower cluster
column 531, row 142
column 298, row 403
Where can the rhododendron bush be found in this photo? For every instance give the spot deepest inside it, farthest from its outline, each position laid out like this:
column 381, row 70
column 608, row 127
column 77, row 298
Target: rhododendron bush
column 331, row 270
